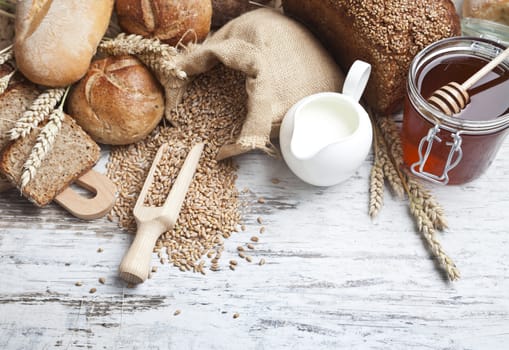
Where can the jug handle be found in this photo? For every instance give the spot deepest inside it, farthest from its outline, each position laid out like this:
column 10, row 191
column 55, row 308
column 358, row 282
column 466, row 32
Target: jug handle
column 357, row 79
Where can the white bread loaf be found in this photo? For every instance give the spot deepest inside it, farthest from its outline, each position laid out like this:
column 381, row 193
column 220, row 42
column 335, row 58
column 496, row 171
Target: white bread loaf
column 56, row 39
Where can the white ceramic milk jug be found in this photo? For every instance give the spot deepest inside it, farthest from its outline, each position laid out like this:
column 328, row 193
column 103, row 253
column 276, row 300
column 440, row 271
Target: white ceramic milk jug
column 325, row 137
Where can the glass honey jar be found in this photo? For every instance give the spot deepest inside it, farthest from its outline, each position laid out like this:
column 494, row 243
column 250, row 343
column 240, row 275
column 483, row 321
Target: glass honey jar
column 456, row 149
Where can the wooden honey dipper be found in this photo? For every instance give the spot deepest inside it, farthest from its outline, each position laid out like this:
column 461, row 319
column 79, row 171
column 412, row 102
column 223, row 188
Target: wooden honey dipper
column 453, row 97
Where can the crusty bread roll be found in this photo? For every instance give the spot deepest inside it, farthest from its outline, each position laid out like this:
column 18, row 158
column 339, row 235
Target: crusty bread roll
column 387, row 34
column 170, row 21
column 56, row 39
column 118, row 101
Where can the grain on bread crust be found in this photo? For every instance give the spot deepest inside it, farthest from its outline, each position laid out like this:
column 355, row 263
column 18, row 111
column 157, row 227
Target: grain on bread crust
column 385, row 33
column 73, row 153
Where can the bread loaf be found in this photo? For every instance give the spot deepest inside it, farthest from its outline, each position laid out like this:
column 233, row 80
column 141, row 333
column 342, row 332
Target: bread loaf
column 13, row 102
column 224, row 11
column 73, row 154
column 170, row 21
column 387, row 34
column 118, row 101
column 56, row 39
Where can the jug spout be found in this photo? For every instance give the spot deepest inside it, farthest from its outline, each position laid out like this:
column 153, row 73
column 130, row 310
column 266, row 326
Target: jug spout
column 303, row 147
column 327, row 119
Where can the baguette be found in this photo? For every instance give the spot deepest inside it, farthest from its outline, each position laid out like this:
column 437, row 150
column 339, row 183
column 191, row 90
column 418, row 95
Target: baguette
column 55, row 40
column 387, row 34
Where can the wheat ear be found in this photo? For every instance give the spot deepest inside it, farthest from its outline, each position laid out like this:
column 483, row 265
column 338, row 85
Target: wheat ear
column 428, row 214
column 425, row 226
column 4, row 81
column 6, row 54
column 391, row 132
column 156, row 55
column 132, row 44
column 44, row 143
column 431, row 207
column 390, row 166
column 36, row 113
column 376, row 183
column 42, row 147
column 392, row 144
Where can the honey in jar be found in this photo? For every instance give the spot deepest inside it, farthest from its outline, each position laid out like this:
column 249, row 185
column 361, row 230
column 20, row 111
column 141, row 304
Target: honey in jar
column 456, row 149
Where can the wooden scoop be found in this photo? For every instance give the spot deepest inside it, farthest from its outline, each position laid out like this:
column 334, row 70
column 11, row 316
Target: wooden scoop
column 453, row 97
column 153, row 221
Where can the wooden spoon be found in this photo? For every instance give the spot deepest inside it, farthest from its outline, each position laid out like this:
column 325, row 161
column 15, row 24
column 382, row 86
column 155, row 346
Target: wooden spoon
column 453, row 97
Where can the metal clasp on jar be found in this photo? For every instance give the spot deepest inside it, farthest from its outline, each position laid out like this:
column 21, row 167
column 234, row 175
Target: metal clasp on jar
column 453, row 159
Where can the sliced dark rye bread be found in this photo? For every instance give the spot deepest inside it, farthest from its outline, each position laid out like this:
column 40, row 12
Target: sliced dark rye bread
column 18, row 96
column 73, row 154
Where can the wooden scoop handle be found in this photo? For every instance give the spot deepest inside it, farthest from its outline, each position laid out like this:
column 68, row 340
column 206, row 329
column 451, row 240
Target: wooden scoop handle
column 89, row 208
column 135, row 265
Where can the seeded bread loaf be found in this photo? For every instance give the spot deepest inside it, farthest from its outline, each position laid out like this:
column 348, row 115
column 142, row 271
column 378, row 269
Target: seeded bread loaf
column 73, row 153
column 387, row 34
column 13, row 102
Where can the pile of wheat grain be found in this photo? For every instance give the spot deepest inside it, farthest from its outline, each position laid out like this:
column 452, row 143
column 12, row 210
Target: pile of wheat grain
column 212, row 111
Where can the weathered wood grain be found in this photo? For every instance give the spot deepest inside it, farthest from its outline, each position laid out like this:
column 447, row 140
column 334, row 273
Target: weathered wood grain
column 333, row 278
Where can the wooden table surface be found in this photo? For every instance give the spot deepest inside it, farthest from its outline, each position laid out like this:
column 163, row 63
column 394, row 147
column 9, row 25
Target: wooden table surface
column 333, row 278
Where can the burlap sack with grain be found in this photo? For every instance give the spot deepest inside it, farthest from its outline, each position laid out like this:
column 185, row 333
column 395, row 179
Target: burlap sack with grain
column 283, row 62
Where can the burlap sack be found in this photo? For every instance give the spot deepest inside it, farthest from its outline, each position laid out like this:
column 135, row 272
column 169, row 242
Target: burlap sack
column 283, row 63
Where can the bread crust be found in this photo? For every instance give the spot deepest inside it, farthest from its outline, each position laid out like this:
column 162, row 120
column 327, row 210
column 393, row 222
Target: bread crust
column 224, row 11
column 166, row 20
column 72, row 154
column 55, row 40
column 118, row 102
column 387, row 34
column 13, row 102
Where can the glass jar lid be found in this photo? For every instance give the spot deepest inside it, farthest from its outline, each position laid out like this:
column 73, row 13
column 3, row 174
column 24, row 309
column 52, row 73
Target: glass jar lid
column 483, row 28
column 481, row 47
